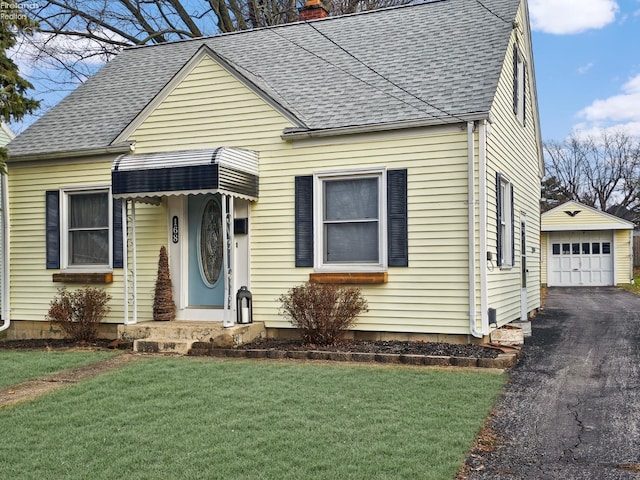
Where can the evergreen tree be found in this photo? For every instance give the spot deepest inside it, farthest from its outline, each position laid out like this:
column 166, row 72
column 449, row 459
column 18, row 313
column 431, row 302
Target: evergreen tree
column 14, row 102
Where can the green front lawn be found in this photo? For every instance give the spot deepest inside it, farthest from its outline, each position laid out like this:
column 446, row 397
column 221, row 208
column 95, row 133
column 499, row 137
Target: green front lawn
column 20, row 366
column 185, row 418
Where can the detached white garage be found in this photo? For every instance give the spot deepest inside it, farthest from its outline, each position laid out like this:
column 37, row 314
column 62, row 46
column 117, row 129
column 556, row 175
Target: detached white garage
column 582, row 247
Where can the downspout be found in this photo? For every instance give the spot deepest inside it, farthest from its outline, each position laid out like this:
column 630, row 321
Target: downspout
column 472, row 229
column 6, row 309
column 482, row 192
column 125, row 265
column 631, row 258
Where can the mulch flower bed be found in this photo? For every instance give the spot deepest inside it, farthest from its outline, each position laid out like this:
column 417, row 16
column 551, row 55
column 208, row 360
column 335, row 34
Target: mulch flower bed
column 390, row 351
column 389, row 346
column 399, row 352
column 52, row 343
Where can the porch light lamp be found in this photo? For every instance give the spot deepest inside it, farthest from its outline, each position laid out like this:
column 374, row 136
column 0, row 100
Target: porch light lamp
column 244, row 308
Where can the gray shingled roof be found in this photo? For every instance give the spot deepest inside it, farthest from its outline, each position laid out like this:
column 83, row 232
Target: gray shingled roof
column 435, row 60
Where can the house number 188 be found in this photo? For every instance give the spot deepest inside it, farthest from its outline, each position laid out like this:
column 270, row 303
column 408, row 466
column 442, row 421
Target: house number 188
column 175, row 231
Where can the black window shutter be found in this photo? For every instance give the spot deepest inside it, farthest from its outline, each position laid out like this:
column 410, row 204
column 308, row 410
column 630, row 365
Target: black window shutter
column 499, row 218
column 117, row 233
column 515, row 80
column 52, row 227
column 397, row 229
column 304, row 221
column 513, row 229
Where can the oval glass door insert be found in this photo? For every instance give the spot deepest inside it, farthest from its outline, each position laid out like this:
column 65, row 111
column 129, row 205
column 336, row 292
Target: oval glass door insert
column 210, row 240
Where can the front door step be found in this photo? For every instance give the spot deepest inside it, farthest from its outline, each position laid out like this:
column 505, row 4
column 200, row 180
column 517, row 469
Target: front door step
column 178, row 337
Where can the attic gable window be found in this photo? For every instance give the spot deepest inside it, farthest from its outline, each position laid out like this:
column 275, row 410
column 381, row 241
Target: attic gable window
column 519, row 85
column 505, row 222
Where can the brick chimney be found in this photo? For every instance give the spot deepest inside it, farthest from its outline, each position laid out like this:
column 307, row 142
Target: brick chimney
column 312, row 10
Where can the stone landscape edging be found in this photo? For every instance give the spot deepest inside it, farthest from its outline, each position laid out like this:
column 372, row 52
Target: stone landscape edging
column 502, row 361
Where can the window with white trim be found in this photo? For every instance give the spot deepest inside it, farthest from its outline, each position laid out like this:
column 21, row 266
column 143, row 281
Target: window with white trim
column 85, row 233
column 506, row 234
column 351, row 220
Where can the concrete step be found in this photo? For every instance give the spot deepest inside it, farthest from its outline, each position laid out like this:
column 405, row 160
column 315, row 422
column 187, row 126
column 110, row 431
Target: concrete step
column 194, row 331
column 178, row 337
column 148, row 345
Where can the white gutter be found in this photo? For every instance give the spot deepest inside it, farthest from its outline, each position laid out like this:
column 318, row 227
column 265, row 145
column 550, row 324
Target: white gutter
column 88, row 152
column 134, row 262
column 482, row 192
column 296, row 134
column 631, row 257
column 472, row 229
column 4, row 239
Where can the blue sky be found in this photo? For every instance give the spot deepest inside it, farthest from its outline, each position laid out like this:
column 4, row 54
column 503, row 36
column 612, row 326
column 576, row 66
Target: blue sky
column 587, row 63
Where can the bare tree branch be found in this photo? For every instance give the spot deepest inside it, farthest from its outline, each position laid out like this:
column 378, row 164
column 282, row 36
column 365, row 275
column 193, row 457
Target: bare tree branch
column 600, row 170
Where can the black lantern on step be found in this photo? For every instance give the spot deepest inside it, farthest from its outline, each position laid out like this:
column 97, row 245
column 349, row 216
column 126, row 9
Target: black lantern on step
column 244, row 309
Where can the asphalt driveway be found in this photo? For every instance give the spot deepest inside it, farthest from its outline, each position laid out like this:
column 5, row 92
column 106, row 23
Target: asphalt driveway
column 572, row 408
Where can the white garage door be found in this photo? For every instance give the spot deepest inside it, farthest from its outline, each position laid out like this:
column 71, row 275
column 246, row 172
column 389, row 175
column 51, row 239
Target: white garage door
column 581, row 259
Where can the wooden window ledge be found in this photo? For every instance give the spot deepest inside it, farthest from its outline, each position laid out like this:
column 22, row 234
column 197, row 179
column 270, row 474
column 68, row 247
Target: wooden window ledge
column 83, row 277
column 366, row 278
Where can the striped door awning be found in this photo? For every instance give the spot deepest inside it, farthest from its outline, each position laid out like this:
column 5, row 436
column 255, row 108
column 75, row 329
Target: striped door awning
column 228, row 170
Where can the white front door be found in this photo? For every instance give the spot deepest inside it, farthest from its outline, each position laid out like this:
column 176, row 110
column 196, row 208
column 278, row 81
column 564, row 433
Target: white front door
column 582, row 258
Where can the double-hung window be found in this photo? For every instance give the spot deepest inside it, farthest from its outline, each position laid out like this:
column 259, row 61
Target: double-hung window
column 351, row 220
column 86, row 231
column 83, row 229
column 505, row 220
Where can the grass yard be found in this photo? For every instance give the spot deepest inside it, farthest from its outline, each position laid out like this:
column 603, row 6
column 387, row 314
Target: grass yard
column 635, row 287
column 20, row 366
column 186, row 418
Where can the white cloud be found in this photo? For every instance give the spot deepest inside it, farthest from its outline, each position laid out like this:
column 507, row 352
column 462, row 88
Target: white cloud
column 621, row 111
column 562, row 17
column 47, row 51
column 585, row 68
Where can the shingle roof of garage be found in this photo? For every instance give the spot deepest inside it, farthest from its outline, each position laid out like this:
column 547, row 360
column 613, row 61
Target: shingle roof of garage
column 439, row 61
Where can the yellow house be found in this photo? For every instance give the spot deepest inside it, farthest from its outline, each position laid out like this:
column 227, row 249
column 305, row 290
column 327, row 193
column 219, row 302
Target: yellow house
column 397, row 149
column 582, row 246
